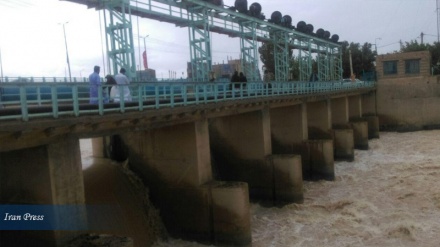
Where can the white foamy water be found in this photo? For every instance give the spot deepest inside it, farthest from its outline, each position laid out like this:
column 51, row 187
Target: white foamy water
column 389, row 196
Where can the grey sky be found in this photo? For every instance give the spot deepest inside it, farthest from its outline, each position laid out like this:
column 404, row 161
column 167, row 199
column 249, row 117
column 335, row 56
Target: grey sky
column 32, row 42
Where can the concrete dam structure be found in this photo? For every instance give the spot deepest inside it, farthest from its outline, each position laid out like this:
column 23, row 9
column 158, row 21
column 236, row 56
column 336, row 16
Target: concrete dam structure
column 202, row 164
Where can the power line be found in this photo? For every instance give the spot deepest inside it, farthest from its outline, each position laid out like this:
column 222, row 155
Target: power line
column 389, row 44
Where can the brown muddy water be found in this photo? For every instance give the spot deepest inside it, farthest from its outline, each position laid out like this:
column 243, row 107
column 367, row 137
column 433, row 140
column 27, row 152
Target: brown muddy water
column 389, row 196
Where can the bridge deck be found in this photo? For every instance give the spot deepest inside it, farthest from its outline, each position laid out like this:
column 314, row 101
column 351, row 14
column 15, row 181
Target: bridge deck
column 27, row 101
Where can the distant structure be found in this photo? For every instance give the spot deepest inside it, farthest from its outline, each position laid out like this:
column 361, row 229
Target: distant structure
column 406, row 64
column 222, row 70
column 146, row 75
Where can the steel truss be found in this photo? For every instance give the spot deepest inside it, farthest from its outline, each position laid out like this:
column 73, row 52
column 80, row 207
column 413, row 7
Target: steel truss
column 249, row 50
column 281, row 55
column 202, row 17
column 323, row 62
column 305, row 60
column 336, row 64
column 200, row 44
column 119, row 37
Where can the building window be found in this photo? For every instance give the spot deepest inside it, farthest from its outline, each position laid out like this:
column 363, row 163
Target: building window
column 390, row 67
column 412, row 66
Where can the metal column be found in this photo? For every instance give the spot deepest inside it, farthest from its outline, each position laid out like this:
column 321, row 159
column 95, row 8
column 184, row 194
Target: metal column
column 249, row 51
column 305, row 60
column 281, row 55
column 323, row 60
column 120, row 33
column 335, row 59
column 200, row 43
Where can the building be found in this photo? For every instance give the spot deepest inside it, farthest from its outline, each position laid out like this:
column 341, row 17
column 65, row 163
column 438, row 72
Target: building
column 146, row 75
column 406, row 64
column 221, row 70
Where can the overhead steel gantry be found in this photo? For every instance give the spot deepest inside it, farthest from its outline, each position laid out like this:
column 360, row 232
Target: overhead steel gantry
column 201, row 18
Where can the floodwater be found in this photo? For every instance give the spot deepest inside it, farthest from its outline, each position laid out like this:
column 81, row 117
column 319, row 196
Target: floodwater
column 388, row 196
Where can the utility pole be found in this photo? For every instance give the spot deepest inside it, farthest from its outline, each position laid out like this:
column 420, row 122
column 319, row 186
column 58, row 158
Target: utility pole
column 375, row 43
column 351, row 63
column 438, row 21
column 1, row 64
column 421, row 37
column 67, row 51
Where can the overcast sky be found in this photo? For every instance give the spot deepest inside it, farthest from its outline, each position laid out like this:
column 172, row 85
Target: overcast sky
column 32, row 41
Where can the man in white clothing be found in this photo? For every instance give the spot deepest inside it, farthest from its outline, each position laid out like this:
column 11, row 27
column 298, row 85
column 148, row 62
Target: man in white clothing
column 122, row 89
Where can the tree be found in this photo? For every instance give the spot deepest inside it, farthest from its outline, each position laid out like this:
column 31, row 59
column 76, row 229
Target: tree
column 267, row 56
column 362, row 59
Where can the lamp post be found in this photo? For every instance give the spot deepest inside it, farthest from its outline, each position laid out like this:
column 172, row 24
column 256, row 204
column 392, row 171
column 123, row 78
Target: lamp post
column 67, row 51
column 375, row 43
column 1, row 65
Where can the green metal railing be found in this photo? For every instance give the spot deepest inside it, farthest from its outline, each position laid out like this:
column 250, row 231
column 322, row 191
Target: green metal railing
column 25, row 101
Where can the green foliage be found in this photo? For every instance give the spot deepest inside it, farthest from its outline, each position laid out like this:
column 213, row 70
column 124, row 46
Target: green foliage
column 267, row 56
column 362, row 58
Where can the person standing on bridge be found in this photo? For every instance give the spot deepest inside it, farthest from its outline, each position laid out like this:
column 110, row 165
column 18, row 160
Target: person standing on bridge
column 122, row 79
column 95, row 84
column 235, row 79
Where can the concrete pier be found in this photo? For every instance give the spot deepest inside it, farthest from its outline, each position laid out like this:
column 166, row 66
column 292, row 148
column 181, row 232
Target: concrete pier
column 287, row 178
column 175, row 163
column 342, row 133
column 360, row 132
column 44, row 175
column 357, row 123
column 343, row 144
column 288, row 127
column 230, row 213
column 240, row 145
column 369, row 113
column 373, row 126
column 318, row 154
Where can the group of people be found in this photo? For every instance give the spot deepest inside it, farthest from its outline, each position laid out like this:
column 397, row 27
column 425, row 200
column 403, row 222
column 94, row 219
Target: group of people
column 115, row 89
column 236, row 79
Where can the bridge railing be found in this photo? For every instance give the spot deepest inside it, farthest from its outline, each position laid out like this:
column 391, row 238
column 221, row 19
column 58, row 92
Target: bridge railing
column 25, row 101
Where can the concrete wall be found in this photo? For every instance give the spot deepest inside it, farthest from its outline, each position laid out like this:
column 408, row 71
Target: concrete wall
column 44, row 175
column 409, row 103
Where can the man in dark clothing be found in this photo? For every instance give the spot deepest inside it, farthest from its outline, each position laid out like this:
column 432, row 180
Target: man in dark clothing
column 242, row 77
column 235, row 79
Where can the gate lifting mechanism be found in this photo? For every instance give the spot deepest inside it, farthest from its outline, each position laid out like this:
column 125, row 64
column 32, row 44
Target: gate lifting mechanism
column 205, row 16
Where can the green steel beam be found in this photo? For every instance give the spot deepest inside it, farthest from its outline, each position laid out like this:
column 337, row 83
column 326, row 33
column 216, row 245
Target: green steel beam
column 323, row 64
column 305, row 60
column 120, row 37
column 249, row 51
column 200, row 44
column 281, row 55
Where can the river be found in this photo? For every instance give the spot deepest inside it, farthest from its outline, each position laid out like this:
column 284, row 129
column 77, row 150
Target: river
column 388, row 196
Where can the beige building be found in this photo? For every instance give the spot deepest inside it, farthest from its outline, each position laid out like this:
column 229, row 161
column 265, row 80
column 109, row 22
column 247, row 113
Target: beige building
column 407, row 64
